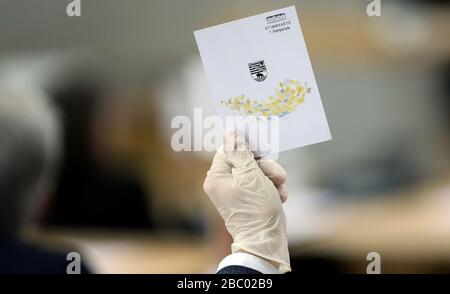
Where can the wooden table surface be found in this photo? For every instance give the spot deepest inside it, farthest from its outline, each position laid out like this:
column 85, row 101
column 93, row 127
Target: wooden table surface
column 404, row 229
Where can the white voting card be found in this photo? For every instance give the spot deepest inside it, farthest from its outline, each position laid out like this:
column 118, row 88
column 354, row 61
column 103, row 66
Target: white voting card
column 259, row 66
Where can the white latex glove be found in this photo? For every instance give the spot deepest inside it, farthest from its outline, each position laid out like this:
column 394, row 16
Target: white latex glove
column 248, row 193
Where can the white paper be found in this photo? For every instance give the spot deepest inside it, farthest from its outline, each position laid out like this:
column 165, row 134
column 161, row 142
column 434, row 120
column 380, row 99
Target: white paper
column 241, row 85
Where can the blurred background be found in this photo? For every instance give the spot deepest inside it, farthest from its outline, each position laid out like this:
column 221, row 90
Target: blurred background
column 86, row 164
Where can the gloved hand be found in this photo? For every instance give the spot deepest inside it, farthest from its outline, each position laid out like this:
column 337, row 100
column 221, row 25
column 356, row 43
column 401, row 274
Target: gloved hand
column 248, row 194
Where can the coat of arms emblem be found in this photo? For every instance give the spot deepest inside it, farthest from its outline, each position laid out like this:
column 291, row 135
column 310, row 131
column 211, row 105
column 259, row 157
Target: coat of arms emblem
column 258, row 70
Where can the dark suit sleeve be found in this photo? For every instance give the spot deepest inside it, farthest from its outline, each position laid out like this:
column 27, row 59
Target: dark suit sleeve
column 237, row 269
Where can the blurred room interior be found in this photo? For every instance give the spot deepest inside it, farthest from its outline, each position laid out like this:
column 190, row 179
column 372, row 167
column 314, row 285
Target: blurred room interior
column 116, row 76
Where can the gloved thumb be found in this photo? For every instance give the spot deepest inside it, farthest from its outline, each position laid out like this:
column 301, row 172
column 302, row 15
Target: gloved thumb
column 238, row 151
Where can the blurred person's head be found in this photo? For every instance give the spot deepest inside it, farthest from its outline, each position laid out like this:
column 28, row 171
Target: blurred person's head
column 29, row 139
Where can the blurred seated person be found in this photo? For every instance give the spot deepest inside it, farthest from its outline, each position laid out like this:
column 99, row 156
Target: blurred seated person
column 29, row 144
column 92, row 190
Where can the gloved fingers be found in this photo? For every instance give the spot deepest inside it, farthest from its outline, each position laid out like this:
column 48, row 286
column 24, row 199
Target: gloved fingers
column 276, row 173
column 238, row 151
column 283, row 192
column 220, row 163
column 273, row 171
